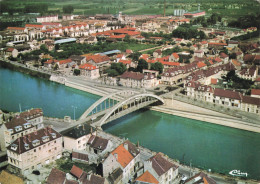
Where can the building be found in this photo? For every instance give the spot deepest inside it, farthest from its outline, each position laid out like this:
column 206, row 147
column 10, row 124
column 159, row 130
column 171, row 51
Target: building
column 250, row 104
column 174, row 57
column 146, row 177
column 98, row 145
column 34, row 150
column 98, row 60
column 162, row 169
column 125, row 156
column 89, row 71
column 20, row 125
column 51, row 18
column 194, row 14
column 200, row 178
column 255, row 93
column 76, row 139
column 138, row 80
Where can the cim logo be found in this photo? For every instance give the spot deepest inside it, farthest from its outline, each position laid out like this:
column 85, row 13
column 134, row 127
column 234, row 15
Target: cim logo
column 237, row 173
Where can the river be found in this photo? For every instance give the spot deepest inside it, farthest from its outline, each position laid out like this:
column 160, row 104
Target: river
column 205, row 145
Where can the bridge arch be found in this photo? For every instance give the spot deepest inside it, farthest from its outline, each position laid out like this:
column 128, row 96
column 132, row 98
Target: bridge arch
column 121, row 103
column 103, row 99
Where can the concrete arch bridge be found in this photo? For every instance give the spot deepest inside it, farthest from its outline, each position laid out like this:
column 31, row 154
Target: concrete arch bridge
column 116, row 105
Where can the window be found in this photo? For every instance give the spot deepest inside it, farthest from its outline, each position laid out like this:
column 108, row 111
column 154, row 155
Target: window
column 34, row 150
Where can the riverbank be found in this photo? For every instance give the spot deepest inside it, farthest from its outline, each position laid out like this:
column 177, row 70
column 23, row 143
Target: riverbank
column 178, row 108
column 24, row 69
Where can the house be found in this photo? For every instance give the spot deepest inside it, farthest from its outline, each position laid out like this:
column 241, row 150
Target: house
column 128, row 51
column 89, row 71
column 76, row 138
column 91, row 40
column 227, row 97
column 78, row 59
column 146, row 177
column 50, row 63
column 249, row 73
column 199, row 53
column 174, row 57
column 224, row 56
column 200, row 178
column 201, row 65
column 7, row 178
column 20, row 125
column 11, row 52
column 236, row 63
column 116, row 176
column 138, row 80
column 56, row 176
column 161, row 168
column 98, row 60
column 128, row 63
column 98, row 145
column 31, row 151
column 80, row 157
column 250, row 104
column 63, row 63
column 125, row 156
column 255, row 93
column 157, row 53
column 51, row 18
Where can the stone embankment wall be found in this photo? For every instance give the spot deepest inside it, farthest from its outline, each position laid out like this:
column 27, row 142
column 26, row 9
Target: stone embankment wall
column 211, row 119
column 89, row 89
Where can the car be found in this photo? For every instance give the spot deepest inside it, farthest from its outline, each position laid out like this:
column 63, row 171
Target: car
column 36, row 172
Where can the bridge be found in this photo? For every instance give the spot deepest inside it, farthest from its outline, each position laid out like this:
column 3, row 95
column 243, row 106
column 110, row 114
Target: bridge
column 116, row 105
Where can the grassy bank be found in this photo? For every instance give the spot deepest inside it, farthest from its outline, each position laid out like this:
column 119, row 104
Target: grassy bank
column 28, row 71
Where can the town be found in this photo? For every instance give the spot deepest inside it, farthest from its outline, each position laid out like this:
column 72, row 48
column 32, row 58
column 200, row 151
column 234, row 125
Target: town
column 206, row 65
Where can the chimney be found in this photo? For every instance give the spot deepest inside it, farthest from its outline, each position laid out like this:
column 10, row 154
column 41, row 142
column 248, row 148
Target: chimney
column 116, row 156
column 126, row 146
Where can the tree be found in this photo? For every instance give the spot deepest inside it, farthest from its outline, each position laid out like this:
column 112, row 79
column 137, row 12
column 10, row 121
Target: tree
column 157, row 66
column 135, row 56
column 68, row 9
column 43, row 48
column 116, row 69
column 76, row 72
column 142, row 64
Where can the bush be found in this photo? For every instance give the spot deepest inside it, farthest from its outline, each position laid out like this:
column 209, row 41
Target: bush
column 76, row 72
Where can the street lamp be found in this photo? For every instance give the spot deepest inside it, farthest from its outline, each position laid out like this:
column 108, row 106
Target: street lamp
column 74, row 108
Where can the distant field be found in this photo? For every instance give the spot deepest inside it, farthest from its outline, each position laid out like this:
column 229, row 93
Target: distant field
column 227, row 8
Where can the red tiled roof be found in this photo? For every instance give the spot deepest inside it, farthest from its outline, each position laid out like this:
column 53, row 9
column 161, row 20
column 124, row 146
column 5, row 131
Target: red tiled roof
column 125, row 61
column 129, row 51
column 223, row 55
column 215, row 43
column 258, row 79
column 147, row 177
column 123, row 156
column 251, row 100
column 50, row 61
column 255, row 92
column 170, row 63
column 10, row 49
column 34, row 25
column 15, row 28
column 235, row 62
column 79, row 156
column 214, row 81
column 201, row 64
column 218, row 59
column 56, row 176
column 87, row 66
column 175, row 55
column 76, row 171
column 118, row 36
column 65, row 61
column 98, row 58
column 161, row 165
column 227, row 93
